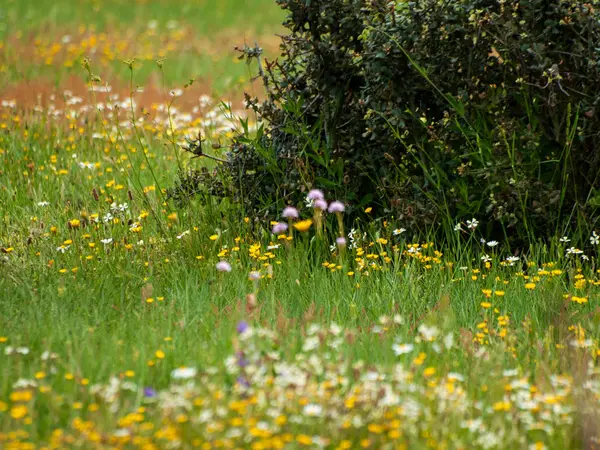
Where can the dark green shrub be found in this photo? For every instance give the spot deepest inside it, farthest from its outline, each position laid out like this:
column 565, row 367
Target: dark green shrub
column 434, row 111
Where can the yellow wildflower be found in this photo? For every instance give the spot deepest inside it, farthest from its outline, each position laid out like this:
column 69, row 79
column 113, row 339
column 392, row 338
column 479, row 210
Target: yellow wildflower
column 303, row 225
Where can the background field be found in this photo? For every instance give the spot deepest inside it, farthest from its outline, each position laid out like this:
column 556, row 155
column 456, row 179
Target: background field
column 45, row 43
column 108, row 290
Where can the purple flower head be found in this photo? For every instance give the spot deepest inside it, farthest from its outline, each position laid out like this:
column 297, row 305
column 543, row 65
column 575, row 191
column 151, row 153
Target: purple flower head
column 280, row 228
column 315, row 194
column 320, row 204
column 149, row 392
column 242, row 381
column 290, row 213
column 242, row 326
column 336, row 207
column 341, row 241
column 241, row 360
column 223, row 266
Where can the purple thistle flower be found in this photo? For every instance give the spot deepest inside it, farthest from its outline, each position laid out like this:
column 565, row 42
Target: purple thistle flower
column 336, row 207
column 320, row 204
column 280, row 228
column 290, row 213
column 341, row 241
column 315, row 194
column 223, row 266
column 242, row 326
column 242, row 381
column 241, row 361
column 149, row 392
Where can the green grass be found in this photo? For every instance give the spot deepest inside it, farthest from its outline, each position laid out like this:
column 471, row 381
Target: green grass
column 99, row 323
column 503, row 354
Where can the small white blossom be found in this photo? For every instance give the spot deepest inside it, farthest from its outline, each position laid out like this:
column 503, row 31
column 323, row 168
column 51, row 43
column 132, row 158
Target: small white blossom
column 401, row 349
column 429, row 333
column 24, row 383
column 398, row 319
column 48, row 355
column 511, row 260
column 183, row 234
column 449, row 341
column 313, row 410
column 472, row 224
column 581, row 343
column 184, row 373
column 453, row 376
column 86, row 165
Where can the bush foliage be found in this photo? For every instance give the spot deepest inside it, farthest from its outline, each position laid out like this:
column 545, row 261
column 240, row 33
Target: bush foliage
column 435, row 111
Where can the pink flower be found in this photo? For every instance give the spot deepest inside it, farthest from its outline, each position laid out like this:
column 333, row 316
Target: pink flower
column 336, row 207
column 280, row 228
column 223, row 266
column 315, row 194
column 341, row 241
column 320, row 204
column 290, row 212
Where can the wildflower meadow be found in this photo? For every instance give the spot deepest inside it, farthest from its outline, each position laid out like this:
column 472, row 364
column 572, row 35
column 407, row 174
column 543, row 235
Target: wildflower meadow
column 139, row 312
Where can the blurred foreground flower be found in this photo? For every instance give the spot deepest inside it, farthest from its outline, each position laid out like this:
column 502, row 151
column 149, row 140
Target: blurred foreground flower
column 184, row 373
column 223, row 266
